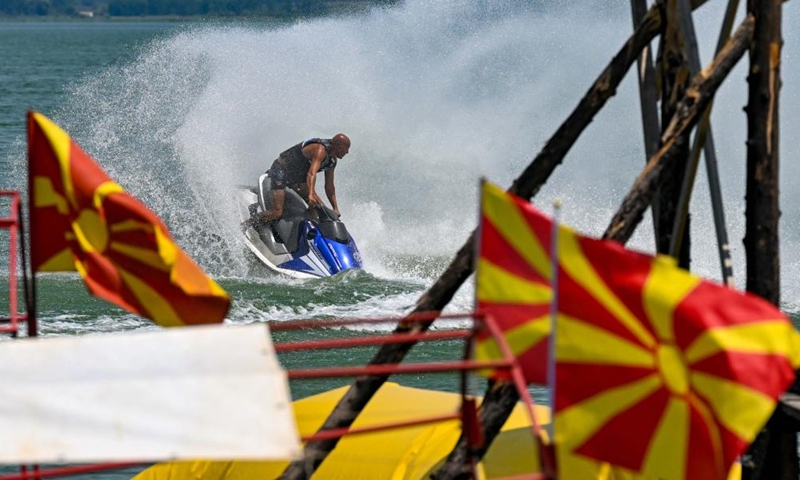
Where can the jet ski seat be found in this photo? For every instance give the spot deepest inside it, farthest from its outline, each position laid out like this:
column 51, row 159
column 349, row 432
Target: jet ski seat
column 293, row 203
column 287, row 229
column 264, row 198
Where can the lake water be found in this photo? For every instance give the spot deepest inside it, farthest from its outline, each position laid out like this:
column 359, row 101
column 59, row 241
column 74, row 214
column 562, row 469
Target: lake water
column 433, row 96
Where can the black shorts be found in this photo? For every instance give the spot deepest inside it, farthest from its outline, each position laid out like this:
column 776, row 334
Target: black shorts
column 277, row 175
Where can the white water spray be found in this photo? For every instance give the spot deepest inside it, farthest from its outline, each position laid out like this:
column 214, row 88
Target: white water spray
column 434, row 95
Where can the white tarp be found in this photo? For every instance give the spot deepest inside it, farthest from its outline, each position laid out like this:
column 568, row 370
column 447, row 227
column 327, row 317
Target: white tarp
column 212, row 392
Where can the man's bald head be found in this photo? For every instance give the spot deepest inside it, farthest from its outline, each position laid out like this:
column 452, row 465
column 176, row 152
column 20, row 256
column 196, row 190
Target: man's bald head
column 340, row 144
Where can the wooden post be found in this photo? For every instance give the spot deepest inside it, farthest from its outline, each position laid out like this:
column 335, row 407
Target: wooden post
column 704, row 139
column 687, row 115
column 442, row 291
column 762, row 209
column 503, row 397
column 461, row 267
column 773, row 454
column 674, row 74
column 648, row 98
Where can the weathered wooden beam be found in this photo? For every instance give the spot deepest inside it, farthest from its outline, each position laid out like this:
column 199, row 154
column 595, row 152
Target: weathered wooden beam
column 774, row 451
column 648, row 98
column 762, row 208
column 704, row 139
column 688, row 113
column 442, row 291
column 789, row 405
column 646, row 75
column 461, row 267
column 556, row 148
column 688, row 110
column 773, row 455
column 503, row 397
column 675, row 75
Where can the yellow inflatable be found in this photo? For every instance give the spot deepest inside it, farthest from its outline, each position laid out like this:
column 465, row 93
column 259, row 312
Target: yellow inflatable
column 409, row 453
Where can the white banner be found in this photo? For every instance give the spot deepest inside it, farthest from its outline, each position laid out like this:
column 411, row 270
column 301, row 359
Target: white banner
column 211, row 392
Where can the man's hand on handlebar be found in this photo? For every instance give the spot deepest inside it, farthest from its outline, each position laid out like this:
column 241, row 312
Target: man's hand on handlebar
column 314, row 200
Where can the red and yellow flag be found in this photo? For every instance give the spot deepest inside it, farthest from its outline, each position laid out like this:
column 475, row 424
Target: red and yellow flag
column 82, row 221
column 513, row 280
column 658, row 371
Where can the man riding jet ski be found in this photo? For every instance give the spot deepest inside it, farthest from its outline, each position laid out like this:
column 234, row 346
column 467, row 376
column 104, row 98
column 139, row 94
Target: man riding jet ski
column 297, row 168
column 286, row 224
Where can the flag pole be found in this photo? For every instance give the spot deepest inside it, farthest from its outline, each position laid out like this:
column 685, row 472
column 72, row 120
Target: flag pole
column 551, row 347
column 33, row 324
column 29, row 283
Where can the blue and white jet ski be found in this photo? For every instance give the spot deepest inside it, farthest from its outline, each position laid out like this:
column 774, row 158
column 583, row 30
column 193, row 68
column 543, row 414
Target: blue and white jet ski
column 304, row 243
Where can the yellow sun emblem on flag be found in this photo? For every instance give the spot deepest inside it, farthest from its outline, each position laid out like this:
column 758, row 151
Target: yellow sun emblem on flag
column 657, row 371
column 82, row 221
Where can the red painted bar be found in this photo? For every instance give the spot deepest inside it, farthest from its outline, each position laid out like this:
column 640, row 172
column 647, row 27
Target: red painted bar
column 12, row 224
column 390, row 369
column 370, row 340
column 340, row 432
column 64, row 471
column 336, row 322
column 545, row 453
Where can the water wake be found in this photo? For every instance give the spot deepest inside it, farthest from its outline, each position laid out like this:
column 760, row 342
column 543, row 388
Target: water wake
column 433, row 94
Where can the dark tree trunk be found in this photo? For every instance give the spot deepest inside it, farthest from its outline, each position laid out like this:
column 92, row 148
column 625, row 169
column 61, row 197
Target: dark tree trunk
column 674, row 75
column 499, row 402
column 687, row 115
column 773, row 455
column 442, row 291
column 648, row 98
column 762, row 209
column 554, row 151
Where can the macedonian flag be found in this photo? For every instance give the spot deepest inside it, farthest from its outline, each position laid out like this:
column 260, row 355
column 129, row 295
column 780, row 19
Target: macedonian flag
column 513, row 280
column 657, row 371
column 82, row 221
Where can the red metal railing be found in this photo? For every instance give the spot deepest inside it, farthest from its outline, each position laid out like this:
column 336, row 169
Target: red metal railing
column 10, row 323
column 467, row 415
column 36, row 472
column 467, row 412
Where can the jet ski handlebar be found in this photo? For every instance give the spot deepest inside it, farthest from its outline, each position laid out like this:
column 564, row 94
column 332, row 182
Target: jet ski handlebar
column 323, row 213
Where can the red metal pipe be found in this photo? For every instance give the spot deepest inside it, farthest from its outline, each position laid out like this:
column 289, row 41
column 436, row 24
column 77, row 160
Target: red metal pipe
column 12, row 265
column 64, row 471
column 390, row 369
column 530, row 476
column 12, row 224
column 545, row 453
column 370, row 340
column 336, row 322
column 340, row 432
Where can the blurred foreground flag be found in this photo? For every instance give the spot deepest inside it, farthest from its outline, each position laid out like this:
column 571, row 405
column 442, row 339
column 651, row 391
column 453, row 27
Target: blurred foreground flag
column 82, row 221
column 657, row 371
column 513, row 280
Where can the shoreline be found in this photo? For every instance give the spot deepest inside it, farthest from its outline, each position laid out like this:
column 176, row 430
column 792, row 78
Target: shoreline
column 148, row 18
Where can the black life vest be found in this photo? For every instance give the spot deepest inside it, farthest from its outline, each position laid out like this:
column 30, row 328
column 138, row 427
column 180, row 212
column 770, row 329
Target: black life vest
column 297, row 164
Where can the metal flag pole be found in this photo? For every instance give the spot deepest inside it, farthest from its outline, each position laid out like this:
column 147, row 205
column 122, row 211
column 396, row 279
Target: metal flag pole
column 551, row 346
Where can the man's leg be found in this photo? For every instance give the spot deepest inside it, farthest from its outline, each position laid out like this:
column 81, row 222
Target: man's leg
column 302, row 190
column 275, row 213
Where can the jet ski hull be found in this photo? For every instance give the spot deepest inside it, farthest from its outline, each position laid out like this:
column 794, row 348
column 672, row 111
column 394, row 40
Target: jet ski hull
column 304, row 244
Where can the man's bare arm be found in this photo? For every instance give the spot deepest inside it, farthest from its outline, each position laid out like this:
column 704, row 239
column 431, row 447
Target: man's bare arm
column 330, row 190
column 318, row 154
